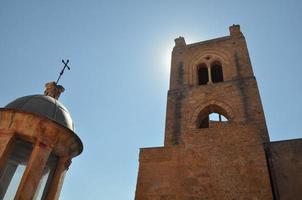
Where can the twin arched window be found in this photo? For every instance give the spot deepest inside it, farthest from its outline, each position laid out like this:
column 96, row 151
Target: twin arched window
column 215, row 70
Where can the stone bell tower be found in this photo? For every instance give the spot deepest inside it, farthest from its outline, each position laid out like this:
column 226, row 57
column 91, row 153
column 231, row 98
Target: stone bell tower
column 37, row 143
column 215, row 127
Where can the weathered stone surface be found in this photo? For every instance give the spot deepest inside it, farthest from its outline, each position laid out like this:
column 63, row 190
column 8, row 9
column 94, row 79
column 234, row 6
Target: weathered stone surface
column 226, row 163
column 286, row 168
column 32, row 175
column 47, row 137
column 226, row 160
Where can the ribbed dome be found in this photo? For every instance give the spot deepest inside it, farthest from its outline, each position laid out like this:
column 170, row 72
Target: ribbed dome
column 45, row 106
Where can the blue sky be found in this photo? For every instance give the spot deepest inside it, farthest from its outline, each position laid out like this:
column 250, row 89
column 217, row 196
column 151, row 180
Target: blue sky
column 119, row 53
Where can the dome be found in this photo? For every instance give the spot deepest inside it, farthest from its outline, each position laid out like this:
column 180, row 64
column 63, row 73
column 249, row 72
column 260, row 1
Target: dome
column 45, row 106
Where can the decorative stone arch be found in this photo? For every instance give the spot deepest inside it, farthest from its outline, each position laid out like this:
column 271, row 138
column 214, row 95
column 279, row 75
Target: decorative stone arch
column 216, row 106
column 207, row 56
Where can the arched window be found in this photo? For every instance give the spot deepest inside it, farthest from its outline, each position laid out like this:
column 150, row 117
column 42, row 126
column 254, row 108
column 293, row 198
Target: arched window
column 203, row 76
column 217, row 117
column 211, row 115
column 216, row 72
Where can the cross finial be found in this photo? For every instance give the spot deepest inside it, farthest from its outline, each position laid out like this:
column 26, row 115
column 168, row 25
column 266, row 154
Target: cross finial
column 62, row 72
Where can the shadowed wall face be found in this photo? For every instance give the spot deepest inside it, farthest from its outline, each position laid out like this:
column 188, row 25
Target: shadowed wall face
column 285, row 158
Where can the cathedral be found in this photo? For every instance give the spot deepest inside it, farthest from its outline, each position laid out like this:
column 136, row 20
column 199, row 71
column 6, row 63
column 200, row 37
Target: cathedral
column 217, row 144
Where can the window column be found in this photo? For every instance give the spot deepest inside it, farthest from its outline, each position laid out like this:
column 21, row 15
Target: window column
column 210, row 75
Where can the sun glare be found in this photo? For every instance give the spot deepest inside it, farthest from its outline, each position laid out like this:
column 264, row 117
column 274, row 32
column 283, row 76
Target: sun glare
column 163, row 62
column 165, row 55
column 166, row 59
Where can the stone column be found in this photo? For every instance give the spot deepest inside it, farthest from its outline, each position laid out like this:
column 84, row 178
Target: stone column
column 33, row 172
column 209, row 74
column 6, row 144
column 6, row 141
column 58, row 178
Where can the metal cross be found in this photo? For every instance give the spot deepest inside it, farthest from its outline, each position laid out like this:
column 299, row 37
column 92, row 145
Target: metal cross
column 62, row 72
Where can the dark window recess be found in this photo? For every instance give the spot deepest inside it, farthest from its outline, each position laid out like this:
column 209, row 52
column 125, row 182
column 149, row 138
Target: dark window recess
column 204, row 123
column 203, row 76
column 216, row 72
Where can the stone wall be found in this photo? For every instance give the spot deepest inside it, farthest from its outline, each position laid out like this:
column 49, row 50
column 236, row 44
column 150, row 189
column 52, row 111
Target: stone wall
column 225, row 160
column 285, row 158
column 216, row 163
column 238, row 94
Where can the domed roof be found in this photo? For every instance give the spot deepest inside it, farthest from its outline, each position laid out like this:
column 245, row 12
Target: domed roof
column 45, row 106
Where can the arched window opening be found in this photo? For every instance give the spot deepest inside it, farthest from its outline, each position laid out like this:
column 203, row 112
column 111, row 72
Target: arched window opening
column 203, row 76
column 211, row 116
column 216, row 72
column 216, row 117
